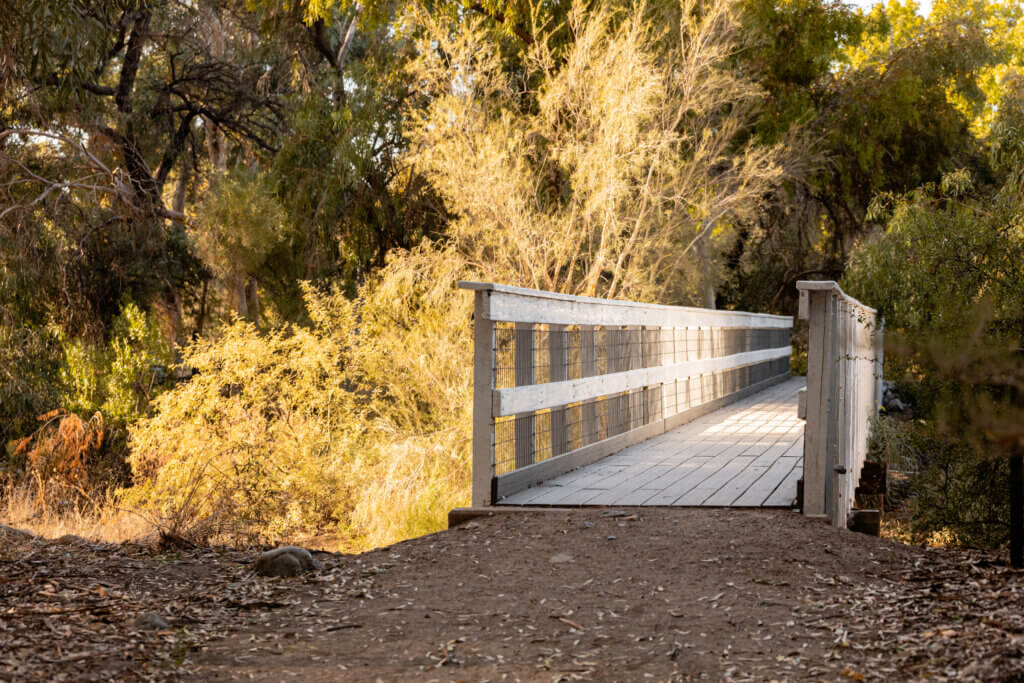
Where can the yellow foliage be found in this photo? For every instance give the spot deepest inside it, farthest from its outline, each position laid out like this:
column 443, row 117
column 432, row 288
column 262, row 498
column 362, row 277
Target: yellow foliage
column 361, row 423
column 604, row 178
column 358, row 425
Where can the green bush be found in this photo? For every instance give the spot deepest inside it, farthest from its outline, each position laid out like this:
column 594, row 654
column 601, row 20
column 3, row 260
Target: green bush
column 947, row 275
column 29, row 380
column 121, row 379
column 955, row 495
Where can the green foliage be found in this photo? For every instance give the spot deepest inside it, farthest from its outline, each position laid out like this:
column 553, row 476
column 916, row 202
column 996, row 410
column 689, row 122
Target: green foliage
column 793, row 45
column 956, row 497
column 948, row 275
column 943, row 254
column 120, row 379
column 346, row 191
column 29, row 380
column 240, row 224
column 882, row 102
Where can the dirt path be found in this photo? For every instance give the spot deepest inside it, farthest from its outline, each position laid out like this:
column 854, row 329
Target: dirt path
column 657, row 594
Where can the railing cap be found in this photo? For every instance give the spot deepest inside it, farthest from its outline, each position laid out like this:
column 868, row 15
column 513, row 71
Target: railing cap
column 830, row 286
column 556, row 296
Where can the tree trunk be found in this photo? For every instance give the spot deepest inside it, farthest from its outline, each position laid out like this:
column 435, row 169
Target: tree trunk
column 214, row 137
column 707, row 282
column 1017, row 507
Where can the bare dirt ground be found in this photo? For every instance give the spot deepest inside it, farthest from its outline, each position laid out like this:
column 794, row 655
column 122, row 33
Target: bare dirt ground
column 628, row 595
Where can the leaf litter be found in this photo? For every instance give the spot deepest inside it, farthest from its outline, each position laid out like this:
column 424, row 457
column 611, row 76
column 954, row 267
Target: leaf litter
column 486, row 603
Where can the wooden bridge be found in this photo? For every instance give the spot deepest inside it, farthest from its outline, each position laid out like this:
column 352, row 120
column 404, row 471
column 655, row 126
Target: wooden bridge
column 583, row 401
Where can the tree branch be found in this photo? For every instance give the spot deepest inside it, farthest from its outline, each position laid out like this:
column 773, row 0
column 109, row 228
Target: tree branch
column 132, row 58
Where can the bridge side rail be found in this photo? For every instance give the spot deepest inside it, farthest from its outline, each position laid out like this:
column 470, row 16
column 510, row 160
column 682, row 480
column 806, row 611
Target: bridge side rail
column 561, row 381
column 844, row 384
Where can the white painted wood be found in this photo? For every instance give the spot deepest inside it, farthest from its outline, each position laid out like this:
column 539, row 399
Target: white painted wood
column 520, row 399
column 483, row 384
column 844, row 374
column 517, row 304
column 588, row 368
column 647, row 385
column 818, row 395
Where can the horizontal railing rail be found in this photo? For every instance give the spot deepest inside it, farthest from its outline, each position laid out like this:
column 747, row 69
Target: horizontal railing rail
column 561, row 381
column 844, row 389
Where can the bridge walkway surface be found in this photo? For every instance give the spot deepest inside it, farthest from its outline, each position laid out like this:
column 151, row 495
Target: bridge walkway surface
column 746, row 454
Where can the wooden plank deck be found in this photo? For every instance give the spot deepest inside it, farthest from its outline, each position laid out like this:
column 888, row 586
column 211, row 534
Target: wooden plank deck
column 748, row 454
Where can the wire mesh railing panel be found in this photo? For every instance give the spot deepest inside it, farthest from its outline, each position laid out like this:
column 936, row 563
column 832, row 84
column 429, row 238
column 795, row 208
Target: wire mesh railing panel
column 593, row 381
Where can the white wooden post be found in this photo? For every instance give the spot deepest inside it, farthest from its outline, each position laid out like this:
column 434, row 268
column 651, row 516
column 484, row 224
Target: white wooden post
column 877, row 341
column 818, row 396
column 614, row 353
column 483, row 386
column 843, row 359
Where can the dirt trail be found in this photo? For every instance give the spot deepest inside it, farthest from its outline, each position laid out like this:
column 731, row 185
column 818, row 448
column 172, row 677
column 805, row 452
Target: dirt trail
column 633, row 594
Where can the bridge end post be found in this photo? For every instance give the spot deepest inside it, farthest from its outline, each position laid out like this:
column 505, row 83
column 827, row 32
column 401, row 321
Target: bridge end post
column 816, row 307
column 483, row 384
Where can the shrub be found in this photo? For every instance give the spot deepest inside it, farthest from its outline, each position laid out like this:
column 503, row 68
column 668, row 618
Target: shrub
column 29, row 379
column 952, row 492
column 357, row 424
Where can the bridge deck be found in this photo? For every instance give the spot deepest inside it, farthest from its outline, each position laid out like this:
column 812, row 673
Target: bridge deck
column 747, row 454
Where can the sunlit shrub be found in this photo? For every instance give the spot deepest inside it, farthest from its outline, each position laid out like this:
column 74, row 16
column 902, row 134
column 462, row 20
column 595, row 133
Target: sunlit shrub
column 357, row 424
column 121, row 378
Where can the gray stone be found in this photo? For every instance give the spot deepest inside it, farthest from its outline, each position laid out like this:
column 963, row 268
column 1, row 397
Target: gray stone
column 151, row 621
column 286, row 561
column 70, row 539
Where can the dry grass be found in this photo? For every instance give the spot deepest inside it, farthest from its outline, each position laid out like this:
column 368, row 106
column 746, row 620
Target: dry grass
column 102, row 521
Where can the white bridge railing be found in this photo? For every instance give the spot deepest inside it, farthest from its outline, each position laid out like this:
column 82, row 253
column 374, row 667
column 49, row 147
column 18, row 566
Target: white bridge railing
column 844, row 383
column 561, row 381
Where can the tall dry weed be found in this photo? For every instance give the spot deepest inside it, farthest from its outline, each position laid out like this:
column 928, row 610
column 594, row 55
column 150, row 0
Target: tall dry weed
column 599, row 170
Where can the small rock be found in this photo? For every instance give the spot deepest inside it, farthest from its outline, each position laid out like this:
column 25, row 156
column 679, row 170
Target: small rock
column 611, row 538
column 70, row 539
column 588, row 525
column 151, row 621
column 561, row 558
column 285, row 561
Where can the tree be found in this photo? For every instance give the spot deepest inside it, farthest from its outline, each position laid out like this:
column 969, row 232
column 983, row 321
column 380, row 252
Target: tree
column 104, row 115
column 947, row 274
column 890, row 109
column 605, row 177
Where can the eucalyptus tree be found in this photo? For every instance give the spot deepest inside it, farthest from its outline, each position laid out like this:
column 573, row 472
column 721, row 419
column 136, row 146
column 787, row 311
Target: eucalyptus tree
column 110, row 117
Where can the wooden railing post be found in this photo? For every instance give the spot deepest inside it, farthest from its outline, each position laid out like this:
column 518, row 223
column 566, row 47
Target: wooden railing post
column 483, row 387
column 588, row 368
column 816, row 308
column 843, row 376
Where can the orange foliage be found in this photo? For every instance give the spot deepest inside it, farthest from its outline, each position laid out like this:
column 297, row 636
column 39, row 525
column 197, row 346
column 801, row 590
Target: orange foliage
column 58, row 454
